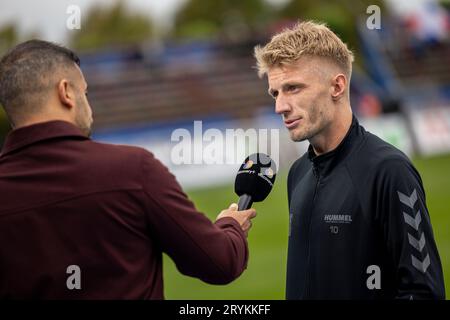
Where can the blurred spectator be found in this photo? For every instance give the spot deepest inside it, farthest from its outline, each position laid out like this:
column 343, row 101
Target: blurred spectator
column 369, row 105
column 426, row 22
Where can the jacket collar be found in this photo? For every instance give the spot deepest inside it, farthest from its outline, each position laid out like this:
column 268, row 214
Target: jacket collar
column 324, row 163
column 24, row 136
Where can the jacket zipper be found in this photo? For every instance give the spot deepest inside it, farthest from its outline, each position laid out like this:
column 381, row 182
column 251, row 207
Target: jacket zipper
column 308, row 267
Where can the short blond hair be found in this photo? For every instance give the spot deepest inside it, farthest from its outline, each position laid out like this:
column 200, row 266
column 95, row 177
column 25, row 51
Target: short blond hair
column 307, row 38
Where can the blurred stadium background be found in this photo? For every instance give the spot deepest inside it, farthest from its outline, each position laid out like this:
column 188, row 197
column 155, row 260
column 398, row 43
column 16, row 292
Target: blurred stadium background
column 149, row 76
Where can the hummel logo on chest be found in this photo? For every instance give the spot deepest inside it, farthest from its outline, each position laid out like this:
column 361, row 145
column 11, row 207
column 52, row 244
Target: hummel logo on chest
column 337, row 218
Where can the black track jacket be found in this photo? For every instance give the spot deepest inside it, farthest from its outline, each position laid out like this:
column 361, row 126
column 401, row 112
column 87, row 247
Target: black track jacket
column 359, row 226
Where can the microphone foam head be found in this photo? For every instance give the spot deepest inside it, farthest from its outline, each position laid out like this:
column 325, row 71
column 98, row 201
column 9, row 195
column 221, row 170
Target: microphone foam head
column 256, row 177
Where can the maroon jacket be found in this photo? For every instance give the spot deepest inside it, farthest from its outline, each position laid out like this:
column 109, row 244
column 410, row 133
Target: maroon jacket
column 111, row 210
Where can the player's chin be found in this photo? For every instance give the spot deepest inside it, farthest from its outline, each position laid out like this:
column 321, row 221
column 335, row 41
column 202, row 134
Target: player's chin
column 297, row 135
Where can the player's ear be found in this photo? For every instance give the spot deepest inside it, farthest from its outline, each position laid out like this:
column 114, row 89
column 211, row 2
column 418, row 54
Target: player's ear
column 339, row 83
column 66, row 94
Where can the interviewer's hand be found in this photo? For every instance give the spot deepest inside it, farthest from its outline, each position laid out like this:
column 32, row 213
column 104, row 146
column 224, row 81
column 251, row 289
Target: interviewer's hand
column 243, row 217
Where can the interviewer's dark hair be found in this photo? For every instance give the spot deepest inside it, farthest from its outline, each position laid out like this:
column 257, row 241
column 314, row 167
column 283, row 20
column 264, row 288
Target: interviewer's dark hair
column 27, row 72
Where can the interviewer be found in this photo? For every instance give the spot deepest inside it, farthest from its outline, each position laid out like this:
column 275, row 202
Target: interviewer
column 110, row 211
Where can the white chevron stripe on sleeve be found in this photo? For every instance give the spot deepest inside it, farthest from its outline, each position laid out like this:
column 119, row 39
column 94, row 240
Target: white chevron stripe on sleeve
column 413, row 222
column 409, row 201
column 421, row 265
column 418, row 244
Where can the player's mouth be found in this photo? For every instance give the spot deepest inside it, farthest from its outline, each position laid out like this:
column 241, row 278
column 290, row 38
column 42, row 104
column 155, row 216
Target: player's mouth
column 292, row 123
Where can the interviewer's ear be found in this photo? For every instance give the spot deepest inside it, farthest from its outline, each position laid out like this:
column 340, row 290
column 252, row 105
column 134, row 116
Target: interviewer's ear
column 339, row 83
column 66, row 94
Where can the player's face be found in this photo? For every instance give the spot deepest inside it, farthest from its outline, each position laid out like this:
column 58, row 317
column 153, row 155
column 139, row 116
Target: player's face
column 302, row 93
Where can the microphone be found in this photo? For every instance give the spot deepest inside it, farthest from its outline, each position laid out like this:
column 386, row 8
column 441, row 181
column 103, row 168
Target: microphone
column 254, row 180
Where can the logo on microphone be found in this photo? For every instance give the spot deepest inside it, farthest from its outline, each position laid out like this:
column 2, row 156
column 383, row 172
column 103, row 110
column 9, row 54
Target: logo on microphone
column 248, row 164
column 269, row 173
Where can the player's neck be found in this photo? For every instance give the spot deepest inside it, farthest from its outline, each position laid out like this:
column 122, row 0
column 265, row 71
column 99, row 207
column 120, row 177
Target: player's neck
column 332, row 136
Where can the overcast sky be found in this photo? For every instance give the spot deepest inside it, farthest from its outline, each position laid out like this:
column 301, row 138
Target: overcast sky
column 48, row 17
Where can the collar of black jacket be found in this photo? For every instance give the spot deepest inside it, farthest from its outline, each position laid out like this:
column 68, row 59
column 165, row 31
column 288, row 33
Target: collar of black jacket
column 24, row 136
column 324, row 163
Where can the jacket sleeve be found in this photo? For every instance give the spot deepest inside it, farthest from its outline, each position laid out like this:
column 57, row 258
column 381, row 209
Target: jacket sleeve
column 216, row 253
column 407, row 231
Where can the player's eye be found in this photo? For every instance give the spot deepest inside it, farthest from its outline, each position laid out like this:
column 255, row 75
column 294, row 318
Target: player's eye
column 292, row 88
